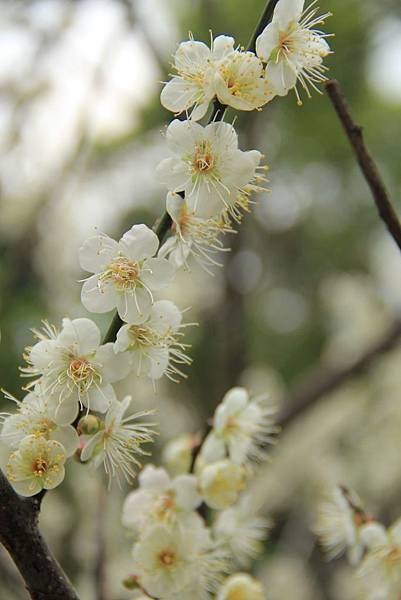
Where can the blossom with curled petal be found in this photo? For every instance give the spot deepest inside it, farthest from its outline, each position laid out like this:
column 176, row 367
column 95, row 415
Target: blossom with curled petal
column 207, row 165
column 126, row 273
column 74, row 369
column 117, row 445
column 242, row 426
column 160, row 499
column 192, row 235
column 192, row 83
column 37, row 415
column 37, row 464
column 154, row 348
column 292, row 48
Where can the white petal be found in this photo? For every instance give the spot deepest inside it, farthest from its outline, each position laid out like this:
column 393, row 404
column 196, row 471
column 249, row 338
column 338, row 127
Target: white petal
column 175, row 206
column 134, row 306
column 65, row 412
column 191, row 56
column 123, row 339
column 373, row 535
column 68, row 437
column 97, row 252
column 99, row 398
column 114, row 367
column 42, row 354
column 282, row 76
column 179, row 95
column 90, row 443
column 83, row 334
column 95, row 299
column 287, row 12
column 165, row 315
column 200, row 109
column 223, row 45
column 238, row 168
column 139, row 242
column 157, row 273
column 213, row 449
column 174, row 173
column 181, row 136
column 154, row 479
column 268, row 41
column 236, row 399
column 28, row 487
column 158, row 359
column 222, row 136
column 137, row 504
column 187, row 495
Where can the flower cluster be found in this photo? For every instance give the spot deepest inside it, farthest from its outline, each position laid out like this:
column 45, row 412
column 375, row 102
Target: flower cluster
column 175, row 553
column 343, row 525
column 209, row 179
column 71, row 406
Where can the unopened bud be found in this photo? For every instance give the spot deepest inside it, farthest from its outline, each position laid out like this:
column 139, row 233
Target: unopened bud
column 130, row 582
column 88, row 425
column 241, row 586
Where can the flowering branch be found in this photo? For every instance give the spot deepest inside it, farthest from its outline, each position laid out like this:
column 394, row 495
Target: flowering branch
column 368, row 167
column 324, row 383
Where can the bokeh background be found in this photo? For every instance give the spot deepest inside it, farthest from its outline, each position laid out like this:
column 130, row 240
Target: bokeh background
column 312, row 281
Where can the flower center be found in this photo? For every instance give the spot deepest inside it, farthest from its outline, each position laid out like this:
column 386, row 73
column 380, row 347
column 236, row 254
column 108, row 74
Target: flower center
column 167, row 558
column 203, row 160
column 39, row 466
column 142, row 337
column 231, row 425
column 81, row 372
column 164, row 505
column 123, row 273
column 393, row 557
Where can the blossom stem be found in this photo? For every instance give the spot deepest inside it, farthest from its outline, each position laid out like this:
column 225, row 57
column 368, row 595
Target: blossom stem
column 366, row 162
column 19, row 533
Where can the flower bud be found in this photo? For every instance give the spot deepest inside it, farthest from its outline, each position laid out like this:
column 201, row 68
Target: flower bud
column 130, row 582
column 177, row 454
column 220, row 483
column 88, row 425
column 241, row 586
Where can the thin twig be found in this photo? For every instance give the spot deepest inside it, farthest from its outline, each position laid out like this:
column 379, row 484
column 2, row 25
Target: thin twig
column 19, row 533
column 325, row 382
column 368, row 167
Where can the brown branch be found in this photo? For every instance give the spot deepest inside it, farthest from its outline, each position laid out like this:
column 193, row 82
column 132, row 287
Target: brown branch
column 368, row 167
column 325, row 382
column 19, row 533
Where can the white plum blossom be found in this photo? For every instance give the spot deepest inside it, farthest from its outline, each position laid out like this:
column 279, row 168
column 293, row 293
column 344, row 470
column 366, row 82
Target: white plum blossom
column 241, row 586
column 160, row 499
column 167, row 560
column 118, row 442
column 126, row 273
column 381, row 567
column 192, row 85
column 37, row 416
column 220, row 483
column 338, row 525
column 74, row 368
column 241, row 530
column 153, row 347
column 292, row 48
column 242, row 426
column 193, row 235
column 207, row 165
column 240, row 82
column 37, row 464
